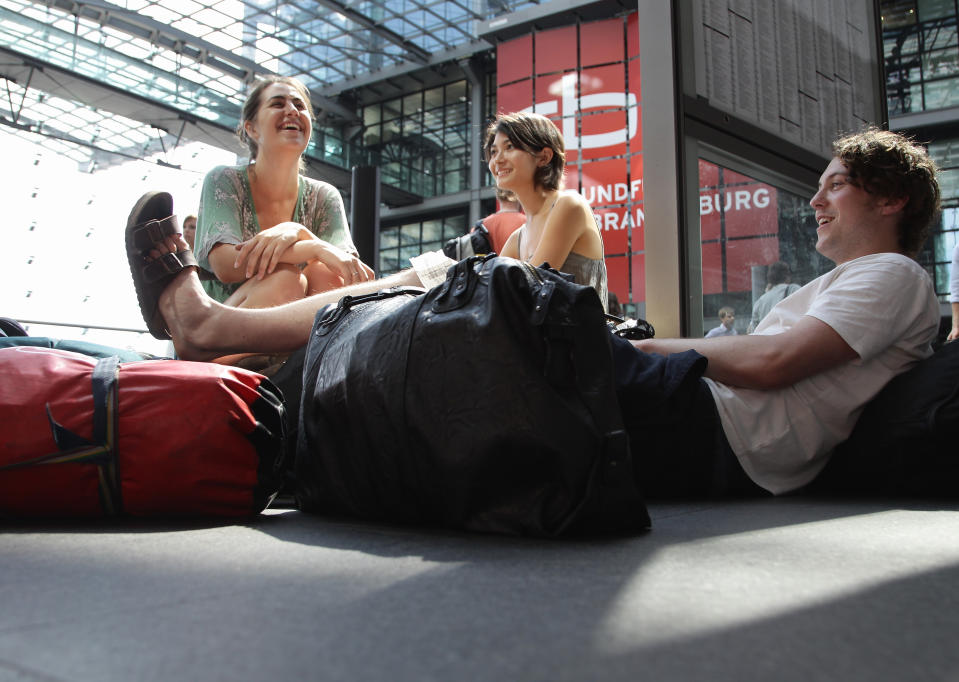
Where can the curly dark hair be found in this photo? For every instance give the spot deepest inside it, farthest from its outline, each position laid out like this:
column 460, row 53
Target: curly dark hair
column 532, row 133
column 888, row 164
column 252, row 106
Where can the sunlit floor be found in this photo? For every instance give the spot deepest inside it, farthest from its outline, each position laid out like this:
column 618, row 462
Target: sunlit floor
column 780, row 589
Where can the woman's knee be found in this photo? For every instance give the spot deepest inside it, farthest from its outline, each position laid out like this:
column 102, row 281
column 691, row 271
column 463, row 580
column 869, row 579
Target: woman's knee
column 320, row 278
column 286, row 283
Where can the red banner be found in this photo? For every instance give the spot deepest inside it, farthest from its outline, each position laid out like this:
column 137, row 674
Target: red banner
column 595, row 102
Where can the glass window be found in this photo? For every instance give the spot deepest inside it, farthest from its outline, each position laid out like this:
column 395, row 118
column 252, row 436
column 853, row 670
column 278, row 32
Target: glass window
column 940, row 64
column 902, row 100
column 455, row 182
column 941, row 94
column 413, row 104
column 433, row 99
column 934, row 9
column 389, row 238
column 332, row 147
column 456, row 93
column 413, row 132
column 391, row 130
column 391, row 172
column 949, row 182
column 747, row 225
column 943, row 243
column 372, row 136
column 456, row 222
column 371, row 115
column 407, row 252
column 900, row 42
column 391, row 110
column 939, row 34
column 452, row 229
column 433, row 230
column 898, row 13
column 433, row 123
column 410, row 234
column 945, row 152
column 938, row 254
column 389, row 263
column 420, row 149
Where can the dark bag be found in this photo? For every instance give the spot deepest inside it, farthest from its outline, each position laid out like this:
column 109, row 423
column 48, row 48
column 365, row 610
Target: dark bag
column 10, row 327
column 475, row 243
column 88, row 437
column 905, row 442
column 94, row 350
column 486, row 403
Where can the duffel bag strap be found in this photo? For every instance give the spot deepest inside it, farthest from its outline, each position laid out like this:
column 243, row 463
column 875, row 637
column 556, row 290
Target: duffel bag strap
column 101, row 450
column 106, row 416
column 613, row 501
column 328, row 317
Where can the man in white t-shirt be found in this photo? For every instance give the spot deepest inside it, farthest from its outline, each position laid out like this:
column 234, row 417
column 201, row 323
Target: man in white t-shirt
column 790, row 392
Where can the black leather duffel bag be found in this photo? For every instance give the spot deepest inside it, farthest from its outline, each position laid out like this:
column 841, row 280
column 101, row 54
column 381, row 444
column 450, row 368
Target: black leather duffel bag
column 486, row 403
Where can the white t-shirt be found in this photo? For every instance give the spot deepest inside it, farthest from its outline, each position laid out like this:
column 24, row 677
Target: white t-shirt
column 885, row 308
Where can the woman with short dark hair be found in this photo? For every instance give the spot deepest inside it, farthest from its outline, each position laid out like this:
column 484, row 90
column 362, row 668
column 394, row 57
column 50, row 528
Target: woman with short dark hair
column 527, row 156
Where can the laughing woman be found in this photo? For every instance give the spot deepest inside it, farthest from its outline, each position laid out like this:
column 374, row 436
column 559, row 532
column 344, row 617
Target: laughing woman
column 527, row 156
column 268, row 234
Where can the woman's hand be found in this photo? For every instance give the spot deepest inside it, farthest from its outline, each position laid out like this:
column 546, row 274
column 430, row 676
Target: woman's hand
column 261, row 254
column 293, row 243
column 345, row 265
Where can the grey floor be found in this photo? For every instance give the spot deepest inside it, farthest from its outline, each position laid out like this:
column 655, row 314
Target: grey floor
column 778, row 589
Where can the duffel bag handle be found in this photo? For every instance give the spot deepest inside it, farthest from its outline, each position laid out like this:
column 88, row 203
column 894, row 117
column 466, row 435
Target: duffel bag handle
column 460, row 284
column 328, row 317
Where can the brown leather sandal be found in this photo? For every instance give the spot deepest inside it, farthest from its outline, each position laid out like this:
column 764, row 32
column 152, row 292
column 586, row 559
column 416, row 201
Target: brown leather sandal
column 150, row 221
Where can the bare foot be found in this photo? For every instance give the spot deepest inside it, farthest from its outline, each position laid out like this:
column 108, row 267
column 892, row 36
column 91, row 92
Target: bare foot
column 189, row 314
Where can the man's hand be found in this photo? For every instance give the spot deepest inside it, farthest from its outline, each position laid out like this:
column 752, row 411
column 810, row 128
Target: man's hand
column 764, row 362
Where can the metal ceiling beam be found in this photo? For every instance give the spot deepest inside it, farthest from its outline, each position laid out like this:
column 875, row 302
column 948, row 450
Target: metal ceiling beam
column 164, row 35
column 548, row 15
column 62, row 82
column 180, row 42
column 453, row 56
column 417, row 53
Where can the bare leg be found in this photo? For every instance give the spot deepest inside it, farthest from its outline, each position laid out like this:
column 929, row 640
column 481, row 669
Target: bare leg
column 203, row 328
column 320, row 278
column 283, row 285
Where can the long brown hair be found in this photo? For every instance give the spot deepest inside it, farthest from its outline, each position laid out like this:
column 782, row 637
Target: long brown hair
column 252, row 106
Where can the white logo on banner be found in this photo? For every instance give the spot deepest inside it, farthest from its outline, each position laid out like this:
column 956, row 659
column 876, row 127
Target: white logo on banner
column 598, row 100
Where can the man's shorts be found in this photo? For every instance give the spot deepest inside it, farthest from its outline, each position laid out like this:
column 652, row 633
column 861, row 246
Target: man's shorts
column 678, row 444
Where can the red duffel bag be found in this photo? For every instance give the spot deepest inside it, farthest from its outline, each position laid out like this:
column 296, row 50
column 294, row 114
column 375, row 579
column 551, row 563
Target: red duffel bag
column 87, row 437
